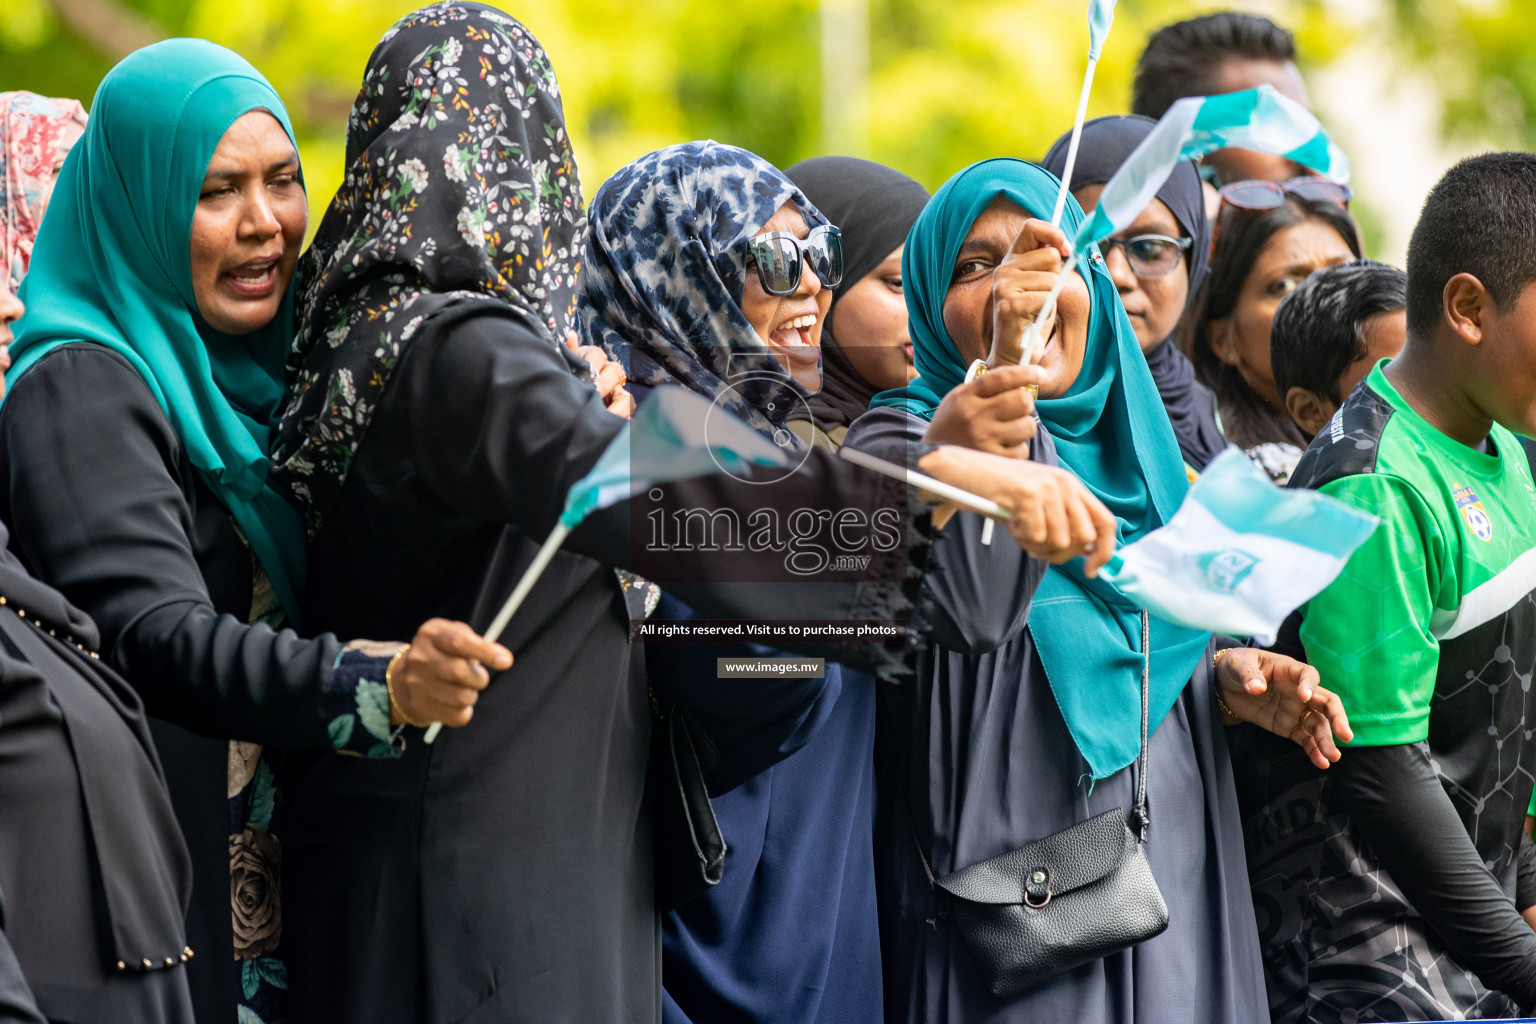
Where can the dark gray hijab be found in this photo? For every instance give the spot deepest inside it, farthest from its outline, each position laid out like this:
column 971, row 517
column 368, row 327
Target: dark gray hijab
column 1105, row 144
column 875, row 206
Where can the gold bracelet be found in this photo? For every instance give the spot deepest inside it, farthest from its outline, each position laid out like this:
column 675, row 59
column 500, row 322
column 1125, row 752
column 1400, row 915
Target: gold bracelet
column 979, row 368
column 389, row 686
column 1216, row 687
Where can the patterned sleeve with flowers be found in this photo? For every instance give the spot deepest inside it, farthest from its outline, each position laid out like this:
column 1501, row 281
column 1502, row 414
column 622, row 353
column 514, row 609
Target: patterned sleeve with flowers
column 356, row 700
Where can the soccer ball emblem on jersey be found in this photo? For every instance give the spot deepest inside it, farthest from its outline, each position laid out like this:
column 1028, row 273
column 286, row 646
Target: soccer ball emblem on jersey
column 1472, row 511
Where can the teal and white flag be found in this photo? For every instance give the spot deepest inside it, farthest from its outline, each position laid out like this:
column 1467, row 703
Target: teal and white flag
column 1258, row 119
column 675, row 435
column 1240, row 554
column 1101, row 13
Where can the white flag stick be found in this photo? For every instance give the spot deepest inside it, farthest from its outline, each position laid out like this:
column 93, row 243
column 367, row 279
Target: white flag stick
column 519, row 593
column 963, row 498
column 1031, row 343
column 1077, row 134
column 1032, row 334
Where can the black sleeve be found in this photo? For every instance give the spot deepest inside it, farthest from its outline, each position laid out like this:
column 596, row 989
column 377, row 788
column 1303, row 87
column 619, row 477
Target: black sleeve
column 97, row 510
column 537, row 429
column 976, row 596
column 16, row 1003
column 1393, row 796
column 753, row 723
column 1525, row 874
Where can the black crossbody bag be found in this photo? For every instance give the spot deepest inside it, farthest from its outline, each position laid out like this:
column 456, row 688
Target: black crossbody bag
column 1062, row 901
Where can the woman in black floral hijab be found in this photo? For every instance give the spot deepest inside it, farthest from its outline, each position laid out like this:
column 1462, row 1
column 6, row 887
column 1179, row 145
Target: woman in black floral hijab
column 460, row 184
column 434, row 428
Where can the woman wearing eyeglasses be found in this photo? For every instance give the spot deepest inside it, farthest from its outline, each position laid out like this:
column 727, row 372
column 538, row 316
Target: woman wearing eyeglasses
column 1156, row 263
column 1268, row 238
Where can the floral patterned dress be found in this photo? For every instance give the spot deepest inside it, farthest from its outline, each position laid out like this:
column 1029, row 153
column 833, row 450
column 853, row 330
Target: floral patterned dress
column 357, row 697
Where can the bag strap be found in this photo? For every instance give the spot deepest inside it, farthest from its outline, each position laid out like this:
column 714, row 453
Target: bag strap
column 1140, row 819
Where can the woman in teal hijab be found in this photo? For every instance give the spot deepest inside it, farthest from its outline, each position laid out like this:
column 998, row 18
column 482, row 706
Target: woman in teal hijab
column 134, row 437
column 117, row 271
column 1026, row 716
column 1109, row 429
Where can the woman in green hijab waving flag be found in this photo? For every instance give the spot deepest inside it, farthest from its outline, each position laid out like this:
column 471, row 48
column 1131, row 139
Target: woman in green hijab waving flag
column 134, row 436
column 1027, row 714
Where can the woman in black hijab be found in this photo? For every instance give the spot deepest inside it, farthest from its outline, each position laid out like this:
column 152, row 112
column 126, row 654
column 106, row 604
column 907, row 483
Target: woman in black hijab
column 1157, row 263
column 94, row 876
column 434, row 427
column 875, row 206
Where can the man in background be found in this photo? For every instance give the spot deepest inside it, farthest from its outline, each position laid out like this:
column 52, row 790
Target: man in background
column 1217, row 53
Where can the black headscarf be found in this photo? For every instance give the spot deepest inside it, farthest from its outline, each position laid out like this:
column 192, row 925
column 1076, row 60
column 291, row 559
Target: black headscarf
column 1104, row 146
column 875, row 206
column 460, row 186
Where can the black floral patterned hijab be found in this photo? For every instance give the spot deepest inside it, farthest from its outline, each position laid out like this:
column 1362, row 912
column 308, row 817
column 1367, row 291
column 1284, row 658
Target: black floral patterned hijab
column 460, row 186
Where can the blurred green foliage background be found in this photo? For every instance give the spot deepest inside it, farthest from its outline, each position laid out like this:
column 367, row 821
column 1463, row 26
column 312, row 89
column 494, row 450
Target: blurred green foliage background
column 947, row 82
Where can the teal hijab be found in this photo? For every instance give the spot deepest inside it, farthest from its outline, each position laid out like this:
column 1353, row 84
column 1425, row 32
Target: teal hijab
column 1110, row 430
column 112, row 265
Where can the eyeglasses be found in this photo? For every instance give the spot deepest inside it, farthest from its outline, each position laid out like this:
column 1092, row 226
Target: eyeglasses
column 1270, row 195
column 779, row 256
column 1149, row 255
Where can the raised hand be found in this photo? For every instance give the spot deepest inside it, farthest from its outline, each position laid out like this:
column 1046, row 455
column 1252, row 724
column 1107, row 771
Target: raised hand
column 1019, row 287
column 1283, row 695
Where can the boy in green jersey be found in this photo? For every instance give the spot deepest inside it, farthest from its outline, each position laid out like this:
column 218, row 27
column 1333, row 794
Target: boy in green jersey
column 1390, row 888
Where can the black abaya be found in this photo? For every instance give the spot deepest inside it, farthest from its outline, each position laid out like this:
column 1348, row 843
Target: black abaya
column 975, row 760
column 107, row 508
column 504, row 874
column 94, row 878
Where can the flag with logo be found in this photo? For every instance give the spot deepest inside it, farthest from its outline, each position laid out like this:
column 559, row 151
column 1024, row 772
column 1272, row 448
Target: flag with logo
column 1259, row 119
column 1240, row 554
column 674, row 435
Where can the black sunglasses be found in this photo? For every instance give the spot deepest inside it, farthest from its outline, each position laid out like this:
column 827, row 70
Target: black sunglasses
column 779, row 255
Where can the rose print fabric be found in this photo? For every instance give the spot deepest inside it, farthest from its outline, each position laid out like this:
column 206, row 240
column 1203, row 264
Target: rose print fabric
column 460, row 185
column 356, row 697
column 35, row 134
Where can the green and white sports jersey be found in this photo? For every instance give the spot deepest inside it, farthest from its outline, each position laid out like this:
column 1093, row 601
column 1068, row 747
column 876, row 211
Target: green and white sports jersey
column 1429, row 638
column 1424, row 599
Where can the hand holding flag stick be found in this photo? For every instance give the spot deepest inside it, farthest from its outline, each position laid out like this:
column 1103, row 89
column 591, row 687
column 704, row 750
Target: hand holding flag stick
column 1050, row 514
column 1101, row 14
column 923, row 482
column 675, row 435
